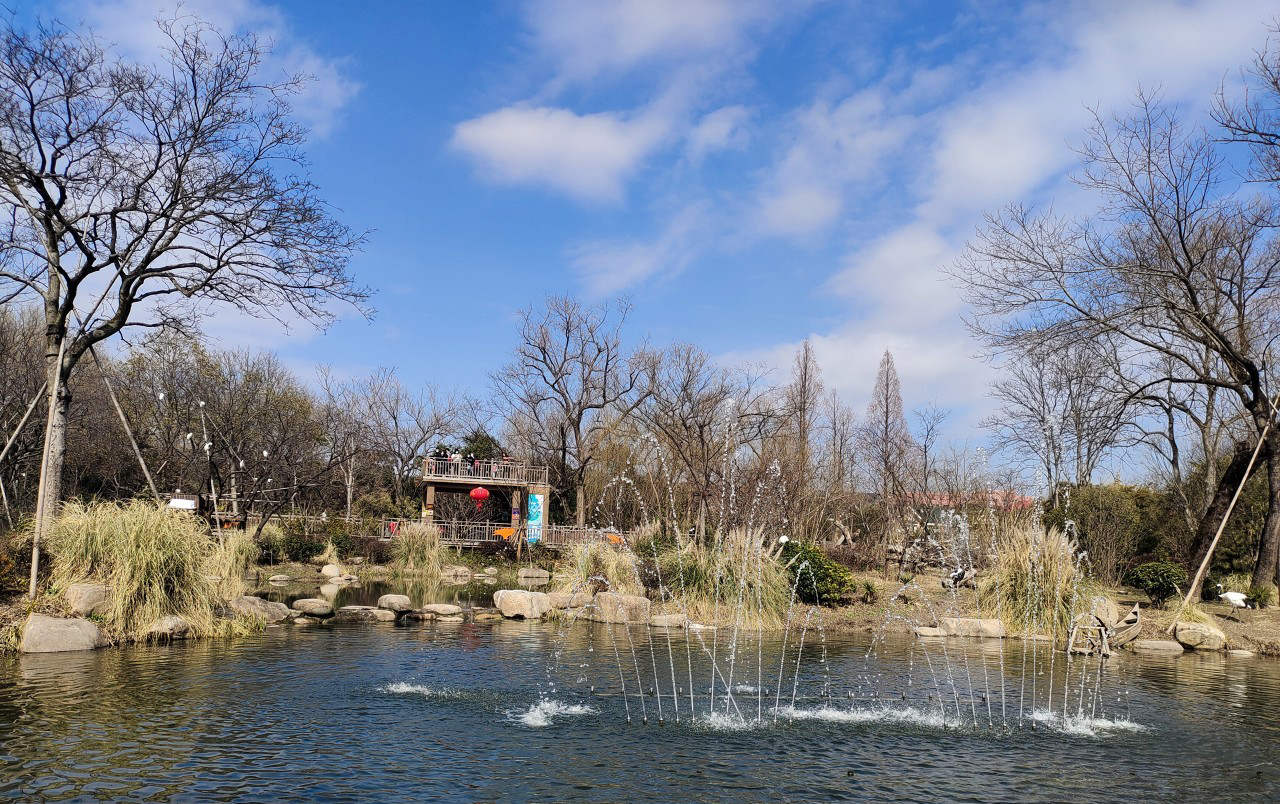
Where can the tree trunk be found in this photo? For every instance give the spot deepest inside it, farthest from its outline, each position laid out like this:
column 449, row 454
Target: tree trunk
column 1228, row 482
column 580, row 504
column 55, row 451
column 1266, row 570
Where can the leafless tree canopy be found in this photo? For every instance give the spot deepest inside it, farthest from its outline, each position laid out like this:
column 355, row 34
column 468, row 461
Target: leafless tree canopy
column 1172, row 282
column 570, row 381
column 136, row 195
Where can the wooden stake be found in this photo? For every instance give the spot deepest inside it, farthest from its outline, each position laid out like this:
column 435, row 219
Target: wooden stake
column 128, row 431
column 23, row 423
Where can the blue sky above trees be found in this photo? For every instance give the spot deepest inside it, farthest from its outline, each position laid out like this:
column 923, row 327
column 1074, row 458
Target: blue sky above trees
column 749, row 173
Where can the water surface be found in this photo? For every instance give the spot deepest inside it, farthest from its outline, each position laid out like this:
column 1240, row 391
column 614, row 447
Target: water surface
column 516, row 711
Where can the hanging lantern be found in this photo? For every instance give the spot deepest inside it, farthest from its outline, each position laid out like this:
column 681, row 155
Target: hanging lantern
column 479, row 494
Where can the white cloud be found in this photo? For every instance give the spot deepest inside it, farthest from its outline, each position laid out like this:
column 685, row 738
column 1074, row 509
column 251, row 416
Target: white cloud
column 1003, row 137
column 586, row 156
column 611, row 266
column 723, row 129
column 831, row 148
column 586, row 38
column 799, row 209
column 130, row 25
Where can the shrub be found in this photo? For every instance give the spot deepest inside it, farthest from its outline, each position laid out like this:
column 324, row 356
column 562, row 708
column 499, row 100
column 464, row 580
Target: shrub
column 300, row 546
column 373, row 549
column 1262, row 595
column 271, row 543
column 870, row 594
column 818, row 579
column 1158, row 579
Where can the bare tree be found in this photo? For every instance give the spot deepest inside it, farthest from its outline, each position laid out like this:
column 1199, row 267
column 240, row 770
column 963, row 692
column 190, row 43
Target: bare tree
column 1170, row 269
column 929, row 425
column 135, row 196
column 700, row 414
column 803, row 399
column 570, row 381
column 402, row 426
column 887, row 447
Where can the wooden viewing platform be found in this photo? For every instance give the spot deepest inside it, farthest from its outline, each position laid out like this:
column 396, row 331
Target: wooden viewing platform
column 492, row 472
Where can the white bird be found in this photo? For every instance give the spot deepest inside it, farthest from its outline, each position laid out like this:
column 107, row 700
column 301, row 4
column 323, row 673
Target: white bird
column 1236, row 600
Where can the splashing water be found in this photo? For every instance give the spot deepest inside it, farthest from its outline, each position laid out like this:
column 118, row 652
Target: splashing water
column 544, row 712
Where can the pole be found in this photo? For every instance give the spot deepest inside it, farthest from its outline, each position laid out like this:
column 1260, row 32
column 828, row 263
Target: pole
column 124, row 420
column 23, row 423
column 5, row 498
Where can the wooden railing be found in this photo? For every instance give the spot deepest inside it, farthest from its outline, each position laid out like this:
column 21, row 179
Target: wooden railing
column 510, row 472
column 463, row 533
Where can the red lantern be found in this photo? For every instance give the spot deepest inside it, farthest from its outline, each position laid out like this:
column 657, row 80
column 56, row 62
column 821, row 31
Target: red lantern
column 479, row 494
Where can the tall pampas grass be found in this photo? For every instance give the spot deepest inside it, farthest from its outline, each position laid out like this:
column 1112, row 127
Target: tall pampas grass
column 155, row 561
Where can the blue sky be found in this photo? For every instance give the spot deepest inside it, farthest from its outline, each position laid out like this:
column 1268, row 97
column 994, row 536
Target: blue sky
column 749, row 173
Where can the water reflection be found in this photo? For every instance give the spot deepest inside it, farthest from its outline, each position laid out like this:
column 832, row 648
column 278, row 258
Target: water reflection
column 476, row 594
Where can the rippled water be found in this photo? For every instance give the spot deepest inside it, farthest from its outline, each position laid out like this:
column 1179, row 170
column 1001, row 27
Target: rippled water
column 506, row 711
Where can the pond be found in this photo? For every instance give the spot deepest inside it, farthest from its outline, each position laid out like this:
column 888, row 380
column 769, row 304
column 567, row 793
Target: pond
column 528, row 711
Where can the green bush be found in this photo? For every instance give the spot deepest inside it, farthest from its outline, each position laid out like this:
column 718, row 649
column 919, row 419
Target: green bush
column 1262, row 595
column 1159, row 580
column 300, row 546
column 818, row 579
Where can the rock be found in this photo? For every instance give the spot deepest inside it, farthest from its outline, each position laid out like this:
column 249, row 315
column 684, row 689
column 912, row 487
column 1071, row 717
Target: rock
column 533, row 574
column 88, row 598
column 250, row 606
column 331, row 571
column 521, row 603
column 169, row 627
column 1155, row 646
column 450, row 619
column 928, row 631
column 971, row 627
column 399, row 603
column 1241, row 654
column 490, row 570
column 45, row 634
column 349, row 578
column 443, row 609
column 612, row 607
column 1199, row 636
column 280, row 579
column 314, row 607
column 329, row 589
column 565, row 600
column 1104, row 608
column 420, row 615
column 484, row 615
column 667, row 621
column 305, row 621
column 356, row 561
column 451, row 570
column 479, row 576
column 355, row 614
column 699, row 627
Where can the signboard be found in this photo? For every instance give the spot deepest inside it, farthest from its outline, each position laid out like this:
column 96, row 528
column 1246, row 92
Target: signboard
column 534, row 523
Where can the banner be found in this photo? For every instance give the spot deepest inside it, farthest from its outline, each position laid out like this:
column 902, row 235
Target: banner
column 534, row 523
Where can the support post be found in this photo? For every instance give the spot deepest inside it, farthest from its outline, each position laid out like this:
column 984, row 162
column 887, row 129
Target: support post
column 429, row 504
